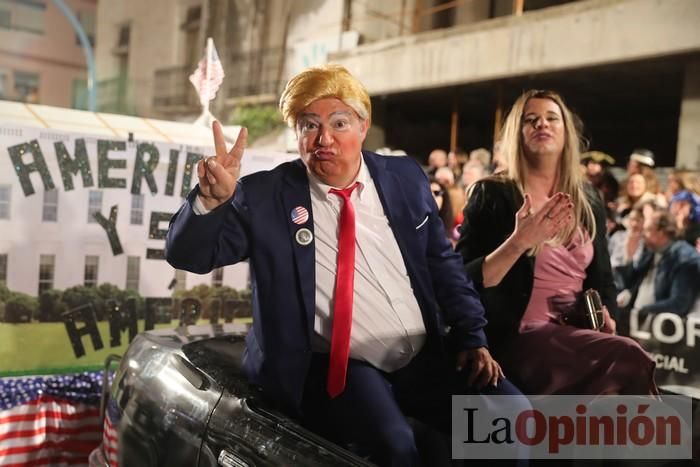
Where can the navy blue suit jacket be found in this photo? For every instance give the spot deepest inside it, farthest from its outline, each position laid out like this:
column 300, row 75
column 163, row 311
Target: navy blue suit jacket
column 256, row 225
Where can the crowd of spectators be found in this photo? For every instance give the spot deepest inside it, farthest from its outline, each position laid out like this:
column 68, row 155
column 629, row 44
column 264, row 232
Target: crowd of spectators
column 650, row 219
column 455, row 172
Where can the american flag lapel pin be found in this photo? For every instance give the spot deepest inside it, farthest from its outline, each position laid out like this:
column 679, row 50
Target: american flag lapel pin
column 300, row 215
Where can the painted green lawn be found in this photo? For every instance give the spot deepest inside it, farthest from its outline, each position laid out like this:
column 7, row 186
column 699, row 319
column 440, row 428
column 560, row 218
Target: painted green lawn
column 44, row 348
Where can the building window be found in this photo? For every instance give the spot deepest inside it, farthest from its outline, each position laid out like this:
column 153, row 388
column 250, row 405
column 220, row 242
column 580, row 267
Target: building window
column 87, row 21
column 50, row 211
column 192, row 17
column 5, row 192
column 217, row 277
column 3, row 269
column 92, row 263
column 137, row 209
column 124, row 37
column 94, row 205
column 190, row 27
column 23, row 15
column 133, row 272
column 26, row 87
column 47, row 265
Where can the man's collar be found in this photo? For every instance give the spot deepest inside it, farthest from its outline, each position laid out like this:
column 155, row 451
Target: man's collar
column 661, row 252
column 665, row 248
column 323, row 189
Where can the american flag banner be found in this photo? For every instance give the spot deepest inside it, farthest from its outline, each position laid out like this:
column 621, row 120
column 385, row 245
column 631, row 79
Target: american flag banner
column 209, row 75
column 52, row 420
column 110, row 440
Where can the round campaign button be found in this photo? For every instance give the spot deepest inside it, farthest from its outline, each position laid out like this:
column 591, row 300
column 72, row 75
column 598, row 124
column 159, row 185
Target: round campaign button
column 299, row 215
column 304, row 236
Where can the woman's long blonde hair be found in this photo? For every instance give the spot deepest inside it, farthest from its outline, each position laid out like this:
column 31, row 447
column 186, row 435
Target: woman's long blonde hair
column 569, row 180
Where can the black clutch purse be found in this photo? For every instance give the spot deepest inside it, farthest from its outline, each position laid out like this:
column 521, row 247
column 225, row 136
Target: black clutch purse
column 588, row 314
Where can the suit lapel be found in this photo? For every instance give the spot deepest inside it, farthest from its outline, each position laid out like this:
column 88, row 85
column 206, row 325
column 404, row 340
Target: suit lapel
column 295, row 193
column 396, row 209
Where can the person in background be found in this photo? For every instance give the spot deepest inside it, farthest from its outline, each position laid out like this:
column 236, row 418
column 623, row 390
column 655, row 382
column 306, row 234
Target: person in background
column 533, row 239
column 612, row 226
column 481, row 156
column 455, row 160
column 649, row 207
column 627, row 245
column 635, row 194
column 446, row 177
column 498, row 161
column 685, row 208
column 472, row 172
column 436, row 160
column 597, row 171
column 667, row 276
column 442, row 199
column 642, row 161
column 679, row 180
column 639, row 160
column 353, row 279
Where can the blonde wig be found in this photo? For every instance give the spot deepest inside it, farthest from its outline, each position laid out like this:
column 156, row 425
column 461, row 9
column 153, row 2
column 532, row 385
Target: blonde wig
column 320, row 82
column 569, row 179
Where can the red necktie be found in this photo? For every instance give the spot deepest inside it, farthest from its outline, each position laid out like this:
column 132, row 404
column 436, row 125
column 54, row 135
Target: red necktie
column 344, row 288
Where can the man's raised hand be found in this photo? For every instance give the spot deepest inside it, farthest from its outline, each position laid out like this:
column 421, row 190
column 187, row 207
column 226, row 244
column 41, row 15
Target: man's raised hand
column 219, row 174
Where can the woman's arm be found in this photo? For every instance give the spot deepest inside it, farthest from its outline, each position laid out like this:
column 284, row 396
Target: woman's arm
column 486, row 263
column 497, row 264
column 530, row 230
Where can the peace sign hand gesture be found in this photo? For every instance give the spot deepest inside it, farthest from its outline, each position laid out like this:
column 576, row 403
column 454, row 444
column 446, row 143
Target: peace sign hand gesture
column 219, row 174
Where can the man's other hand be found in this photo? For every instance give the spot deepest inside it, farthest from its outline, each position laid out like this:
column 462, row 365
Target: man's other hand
column 483, row 369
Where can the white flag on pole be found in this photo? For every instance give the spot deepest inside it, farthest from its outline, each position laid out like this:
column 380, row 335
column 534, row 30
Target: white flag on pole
column 208, row 76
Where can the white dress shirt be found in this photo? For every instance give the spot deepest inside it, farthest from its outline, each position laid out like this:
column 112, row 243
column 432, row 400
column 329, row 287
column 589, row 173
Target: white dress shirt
column 646, row 294
column 387, row 325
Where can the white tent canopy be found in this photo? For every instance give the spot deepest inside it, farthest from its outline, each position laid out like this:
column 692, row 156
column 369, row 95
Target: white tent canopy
column 97, row 123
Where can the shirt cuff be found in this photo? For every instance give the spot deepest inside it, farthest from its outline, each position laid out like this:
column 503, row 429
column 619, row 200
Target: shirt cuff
column 198, row 207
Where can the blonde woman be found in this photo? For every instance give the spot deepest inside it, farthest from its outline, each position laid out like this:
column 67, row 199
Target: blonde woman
column 533, row 239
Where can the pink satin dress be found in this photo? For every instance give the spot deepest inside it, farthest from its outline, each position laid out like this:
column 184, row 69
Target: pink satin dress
column 552, row 358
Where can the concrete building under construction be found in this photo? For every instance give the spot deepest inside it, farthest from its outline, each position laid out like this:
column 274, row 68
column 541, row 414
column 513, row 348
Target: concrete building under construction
column 440, row 73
